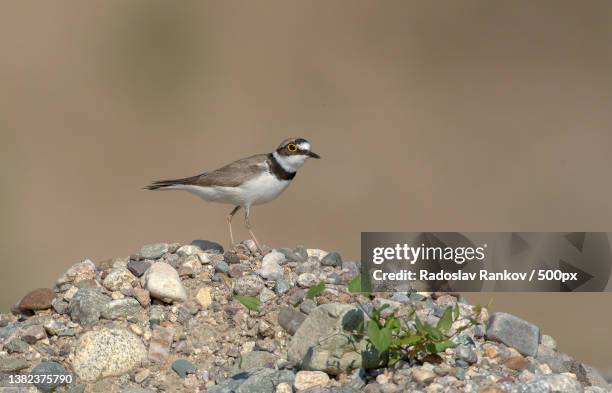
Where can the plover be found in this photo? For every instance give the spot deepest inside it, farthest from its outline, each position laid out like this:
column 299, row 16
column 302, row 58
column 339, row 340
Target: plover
column 247, row 182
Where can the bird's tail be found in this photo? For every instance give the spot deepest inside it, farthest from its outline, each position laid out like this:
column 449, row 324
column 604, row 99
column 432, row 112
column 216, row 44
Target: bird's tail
column 170, row 184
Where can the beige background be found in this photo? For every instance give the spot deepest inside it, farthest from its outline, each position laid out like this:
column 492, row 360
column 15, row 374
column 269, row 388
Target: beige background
column 446, row 115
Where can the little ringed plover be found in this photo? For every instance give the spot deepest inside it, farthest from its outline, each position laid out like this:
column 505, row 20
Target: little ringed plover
column 247, row 182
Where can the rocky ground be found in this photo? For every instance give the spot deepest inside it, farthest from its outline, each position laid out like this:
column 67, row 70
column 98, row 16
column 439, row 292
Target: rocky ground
column 167, row 319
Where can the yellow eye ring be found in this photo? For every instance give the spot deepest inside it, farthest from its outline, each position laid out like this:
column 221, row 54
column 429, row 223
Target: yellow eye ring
column 291, row 147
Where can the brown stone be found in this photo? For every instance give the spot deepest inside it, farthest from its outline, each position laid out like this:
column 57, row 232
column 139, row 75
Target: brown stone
column 143, row 296
column 38, row 299
column 517, row 363
column 159, row 347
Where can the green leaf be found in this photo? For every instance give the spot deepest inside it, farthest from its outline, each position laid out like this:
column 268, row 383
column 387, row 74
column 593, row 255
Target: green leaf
column 439, row 346
column 392, row 322
column 250, row 302
column 316, row 290
column 457, row 314
column 419, row 326
column 411, row 340
column 355, row 284
column 380, row 338
column 445, row 323
column 433, row 333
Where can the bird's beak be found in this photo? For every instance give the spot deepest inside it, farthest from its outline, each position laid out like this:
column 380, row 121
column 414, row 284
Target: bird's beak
column 313, row 155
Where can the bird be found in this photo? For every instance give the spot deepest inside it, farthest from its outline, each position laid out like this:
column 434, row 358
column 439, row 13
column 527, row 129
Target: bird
column 247, row 182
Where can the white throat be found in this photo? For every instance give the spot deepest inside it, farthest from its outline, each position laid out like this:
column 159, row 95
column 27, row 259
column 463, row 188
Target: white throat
column 290, row 163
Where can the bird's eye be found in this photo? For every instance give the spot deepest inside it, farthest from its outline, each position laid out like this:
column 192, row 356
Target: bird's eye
column 291, row 147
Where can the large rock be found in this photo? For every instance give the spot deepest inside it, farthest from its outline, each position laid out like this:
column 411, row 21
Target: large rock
column 322, row 342
column 38, row 299
column 514, row 332
column 86, row 306
column 85, row 270
column 107, row 352
column 163, row 283
column 257, row 380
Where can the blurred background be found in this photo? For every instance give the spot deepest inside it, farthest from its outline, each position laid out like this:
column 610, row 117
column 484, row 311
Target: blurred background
column 446, row 115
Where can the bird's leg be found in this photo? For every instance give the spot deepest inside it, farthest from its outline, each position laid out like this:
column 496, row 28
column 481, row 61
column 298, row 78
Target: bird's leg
column 248, row 226
column 229, row 223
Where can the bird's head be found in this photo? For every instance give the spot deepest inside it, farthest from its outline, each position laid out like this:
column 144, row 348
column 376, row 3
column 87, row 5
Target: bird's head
column 292, row 153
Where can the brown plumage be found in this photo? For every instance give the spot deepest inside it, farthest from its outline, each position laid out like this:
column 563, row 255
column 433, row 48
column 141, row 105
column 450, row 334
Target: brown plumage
column 231, row 175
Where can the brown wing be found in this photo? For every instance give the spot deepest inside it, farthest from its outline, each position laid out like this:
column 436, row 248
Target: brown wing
column 230, row 175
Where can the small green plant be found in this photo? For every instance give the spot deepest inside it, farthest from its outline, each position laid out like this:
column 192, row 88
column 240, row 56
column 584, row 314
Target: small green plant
column 316, row 290
column 250, row 302
column 388, row 336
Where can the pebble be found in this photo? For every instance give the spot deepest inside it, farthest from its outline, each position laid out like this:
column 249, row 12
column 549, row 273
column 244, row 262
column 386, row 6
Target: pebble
column 282, row 286
column 290, row 319
column 120, row 308
column 33, row 334
column 163, row 283
column 514, row 332
column 466, row 354
column 54, row 369
column 332, row 259
column 38, row 299
column 255, row 359
column 203, row 297
column 222, row 267
column 271, row 269
column 283, row 388
column 238, row 270
column 310, row 379
column 208, row 246
column 307, row 306
column 250, row 285
column 11, row 364
column 85, row 270
column 422, row 375
column 517, row 363
column 137, row 267
column 159, row 346
column 307, row 280
column 153, row 251
column 16, row 345
column 118, row 278
column 183, row 367
column 87, row 305
column 102, row 353
column 143, row 296
column 266, row 295
column 296, row 297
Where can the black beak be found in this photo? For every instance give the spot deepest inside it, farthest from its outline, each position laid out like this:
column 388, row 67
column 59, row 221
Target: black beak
column 313, row 155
